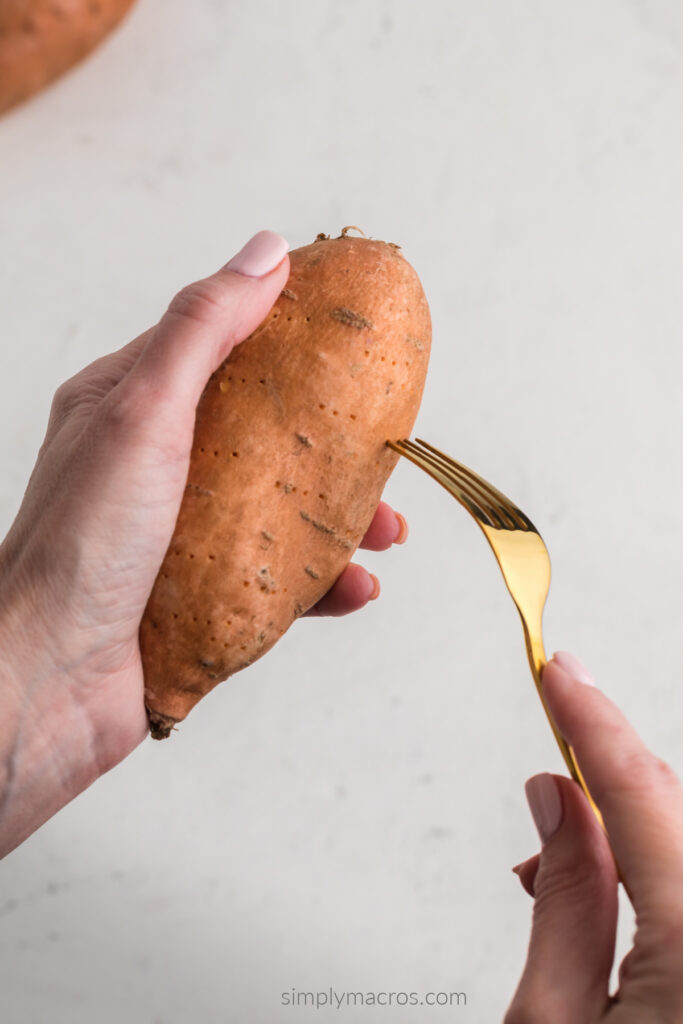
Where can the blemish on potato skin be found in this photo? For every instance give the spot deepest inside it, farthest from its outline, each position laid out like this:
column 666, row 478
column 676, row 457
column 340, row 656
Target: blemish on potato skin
column 305, row 441
column 289, row 294
column 274, row 394
column 208, row 666
column 318, row 525
column 312, row 573
column 347, row 316
column 265, row 580
column 196, row 489
column 324, row 528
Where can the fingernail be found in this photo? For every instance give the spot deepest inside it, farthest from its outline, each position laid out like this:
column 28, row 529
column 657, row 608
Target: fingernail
column 545, row 804
column 527, row 879
column 260, row 255
column 402, row 534
column 374, row 593
column 571, row 664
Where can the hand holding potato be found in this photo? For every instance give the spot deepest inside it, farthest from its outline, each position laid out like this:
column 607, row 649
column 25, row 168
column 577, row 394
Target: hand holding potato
column 80, row 560
column 288, row 464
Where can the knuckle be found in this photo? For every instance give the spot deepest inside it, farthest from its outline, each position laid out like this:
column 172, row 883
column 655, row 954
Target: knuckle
column 122, row 408
column 638, row 772
column 66, row 397
column 124, row 413
column 575, row 887
column 647, row 769
column 664, row 934
column 128, row 408
column 143, row 416
column 198, row 302
column 578, row 883
column 662, row 772
column 657, row 954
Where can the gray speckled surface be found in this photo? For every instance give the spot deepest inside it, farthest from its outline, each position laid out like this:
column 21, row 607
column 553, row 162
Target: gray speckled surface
column 346, row 812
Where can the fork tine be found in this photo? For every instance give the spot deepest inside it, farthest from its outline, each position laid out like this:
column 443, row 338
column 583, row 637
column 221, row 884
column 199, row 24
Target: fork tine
column 495, row 514
column 477, row 503
column 443, row 474
column 500, row 501
column 495, row 496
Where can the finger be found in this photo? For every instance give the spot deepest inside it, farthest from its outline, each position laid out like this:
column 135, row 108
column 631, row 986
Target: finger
column 204, row 322
column 90, row 385
column 351, row 591
column 566, row 977
column 109, row 370
column 387, row 528
column 526, row 872
column 640, row 798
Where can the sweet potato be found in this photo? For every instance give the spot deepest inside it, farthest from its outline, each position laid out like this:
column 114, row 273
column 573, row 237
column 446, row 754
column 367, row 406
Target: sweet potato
column 41, row 39
column 288, row 464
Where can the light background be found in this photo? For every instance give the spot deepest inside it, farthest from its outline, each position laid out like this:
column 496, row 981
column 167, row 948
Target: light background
column 346, row 812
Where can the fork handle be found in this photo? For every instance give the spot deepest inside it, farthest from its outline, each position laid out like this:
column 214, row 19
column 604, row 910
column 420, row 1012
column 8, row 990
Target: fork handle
column 537, row 662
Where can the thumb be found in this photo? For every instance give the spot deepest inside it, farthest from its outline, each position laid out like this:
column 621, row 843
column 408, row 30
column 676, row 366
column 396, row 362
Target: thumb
column 571, row 950
column 206, row 320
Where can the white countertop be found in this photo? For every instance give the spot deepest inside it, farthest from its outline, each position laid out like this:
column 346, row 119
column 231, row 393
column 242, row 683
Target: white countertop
column 345, row 813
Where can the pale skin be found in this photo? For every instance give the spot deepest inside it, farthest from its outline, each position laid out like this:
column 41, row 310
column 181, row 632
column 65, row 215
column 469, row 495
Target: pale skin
column 79, row 562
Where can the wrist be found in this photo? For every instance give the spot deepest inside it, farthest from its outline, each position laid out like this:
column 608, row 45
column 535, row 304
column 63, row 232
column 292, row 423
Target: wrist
column 23, row 650
column 46, row 749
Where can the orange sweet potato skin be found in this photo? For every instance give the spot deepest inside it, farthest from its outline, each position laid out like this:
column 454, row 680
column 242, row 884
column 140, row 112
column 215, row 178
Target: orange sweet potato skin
column 288, row 465
column 41, row 39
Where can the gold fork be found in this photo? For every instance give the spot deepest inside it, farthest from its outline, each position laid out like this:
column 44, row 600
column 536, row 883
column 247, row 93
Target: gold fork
column 521, row 554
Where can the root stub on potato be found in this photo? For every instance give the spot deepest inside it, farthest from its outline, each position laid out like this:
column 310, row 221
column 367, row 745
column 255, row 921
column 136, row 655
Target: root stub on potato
column 288, row 465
